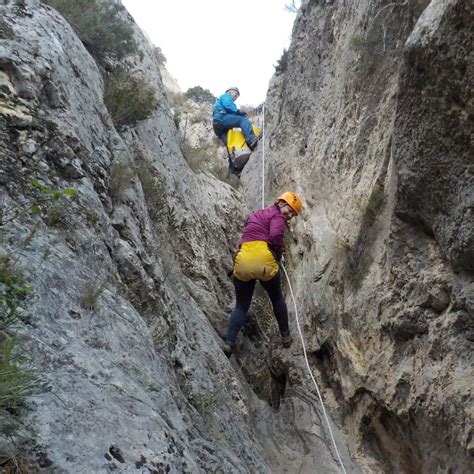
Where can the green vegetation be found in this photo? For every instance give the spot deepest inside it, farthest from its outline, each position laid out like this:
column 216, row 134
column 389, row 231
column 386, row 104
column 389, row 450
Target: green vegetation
column 155, row 196
column 54, row 206
column 128, row 98
column 282, row 63
column 92, row 218
column 100, row 26
column 13, row 289
column 177, row 118
column 120, row 178
column 208, row 402
column 109, row 37
column 51, row 205
column 92, row 292
column 200, row 95
column 160, row 337
column 172, row 220
column 177, row 99
column 153, row 189
column 17, row 379
column 203, row 159
column 160, row 57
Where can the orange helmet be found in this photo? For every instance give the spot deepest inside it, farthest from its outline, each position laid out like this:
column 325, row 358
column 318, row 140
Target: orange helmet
column 292, row 199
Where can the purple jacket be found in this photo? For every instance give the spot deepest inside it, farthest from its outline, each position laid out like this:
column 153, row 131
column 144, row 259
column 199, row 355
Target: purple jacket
column 268, row 225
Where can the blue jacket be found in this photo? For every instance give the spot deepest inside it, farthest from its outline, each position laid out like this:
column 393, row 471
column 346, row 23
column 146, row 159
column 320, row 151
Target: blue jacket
column 224, row 105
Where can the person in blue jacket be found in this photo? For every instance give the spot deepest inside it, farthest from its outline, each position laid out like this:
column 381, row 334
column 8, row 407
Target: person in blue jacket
column 226, row 115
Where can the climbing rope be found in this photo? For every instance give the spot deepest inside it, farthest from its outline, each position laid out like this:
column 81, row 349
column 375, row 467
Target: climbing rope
column 311, row 373
column 300, row 332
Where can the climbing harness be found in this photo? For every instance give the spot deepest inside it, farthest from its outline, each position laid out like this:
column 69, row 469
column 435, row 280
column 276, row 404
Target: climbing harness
column 296, row 315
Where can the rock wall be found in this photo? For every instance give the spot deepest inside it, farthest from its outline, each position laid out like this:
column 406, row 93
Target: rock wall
column 371, row 123
column 121, row 375
column 129, row 295
column 129, row 291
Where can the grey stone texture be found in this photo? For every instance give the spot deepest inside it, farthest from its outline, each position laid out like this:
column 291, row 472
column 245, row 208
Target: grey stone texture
column 372, row 124
column 130, row 295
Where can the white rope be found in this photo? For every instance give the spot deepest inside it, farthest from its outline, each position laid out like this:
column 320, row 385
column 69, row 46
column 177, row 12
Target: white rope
column 296, row 313
column 311, row 373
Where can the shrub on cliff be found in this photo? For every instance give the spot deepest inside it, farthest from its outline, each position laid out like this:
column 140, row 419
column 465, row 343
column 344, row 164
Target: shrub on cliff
column 202, row 159
column 282, row 63
column 200, row 95
column 99, row 25
column 18, row 378
column 128, row 98
column 160, row 57
column 15, row 380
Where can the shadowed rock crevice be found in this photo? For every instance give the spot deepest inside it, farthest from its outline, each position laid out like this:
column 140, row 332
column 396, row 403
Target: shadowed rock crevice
column 325, row 360
column 391, row 441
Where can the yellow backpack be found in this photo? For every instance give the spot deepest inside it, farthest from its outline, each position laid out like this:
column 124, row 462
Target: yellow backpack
column 237, row 147
column 254, row 261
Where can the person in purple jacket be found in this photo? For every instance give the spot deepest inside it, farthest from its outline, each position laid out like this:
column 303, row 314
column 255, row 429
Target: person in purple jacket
column 260, row 250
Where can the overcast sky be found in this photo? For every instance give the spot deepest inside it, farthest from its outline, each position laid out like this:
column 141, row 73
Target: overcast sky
column 218, row 43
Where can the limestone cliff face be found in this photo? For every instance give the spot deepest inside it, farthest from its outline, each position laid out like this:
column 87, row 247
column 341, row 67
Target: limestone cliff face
column 122, row 375
column 372, row 123
column 129, row 290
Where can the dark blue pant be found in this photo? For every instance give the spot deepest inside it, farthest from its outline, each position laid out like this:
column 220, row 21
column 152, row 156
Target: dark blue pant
column 230, row 121
column 243, row 296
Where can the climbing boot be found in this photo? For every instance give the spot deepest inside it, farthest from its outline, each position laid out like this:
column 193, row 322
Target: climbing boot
column 254, row 142
column 286, row 340
column 228, row 348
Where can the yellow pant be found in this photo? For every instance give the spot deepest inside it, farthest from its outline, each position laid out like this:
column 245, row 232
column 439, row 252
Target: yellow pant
column 254, row 261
